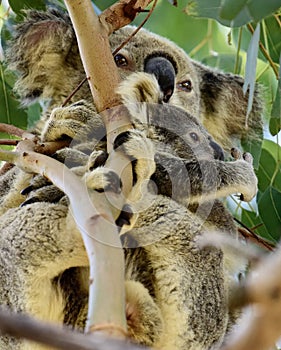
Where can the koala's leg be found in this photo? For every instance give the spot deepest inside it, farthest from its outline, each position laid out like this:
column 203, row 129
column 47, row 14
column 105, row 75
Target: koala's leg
column 144, row 320
column 37, row 243
column 11, row 185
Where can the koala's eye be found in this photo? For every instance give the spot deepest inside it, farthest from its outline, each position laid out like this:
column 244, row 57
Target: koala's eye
column 120, row 60
column 194, row 136
column 185, row 85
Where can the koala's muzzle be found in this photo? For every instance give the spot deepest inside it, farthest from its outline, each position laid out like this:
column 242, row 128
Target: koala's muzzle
column 218, row 151
column 165, row 73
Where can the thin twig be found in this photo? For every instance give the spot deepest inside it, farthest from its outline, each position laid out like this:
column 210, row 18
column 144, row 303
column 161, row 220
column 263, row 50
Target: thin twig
column 136, row 31
column 122, row 13
column 255, row 237
column 9, row 142
column 11, row 129
column 23, row 326
column 78, row 87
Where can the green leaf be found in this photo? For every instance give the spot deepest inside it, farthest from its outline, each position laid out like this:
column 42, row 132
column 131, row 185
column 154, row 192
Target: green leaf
column 273, row 148
column 251, row 67
column 275, row 118
column 33, row 114
column 232, row 13
column 269, row 205
column 10, row 111
column 225, row 62
column 19, row 5
column 269, row 172
column 253, row 146
column 270, row 36
column 231, row 9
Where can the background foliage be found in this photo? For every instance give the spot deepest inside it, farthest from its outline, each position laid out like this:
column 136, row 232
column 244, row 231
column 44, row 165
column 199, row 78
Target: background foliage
column 218, row 33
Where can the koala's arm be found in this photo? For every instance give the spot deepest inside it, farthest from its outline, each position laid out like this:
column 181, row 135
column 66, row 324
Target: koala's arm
column 197, row 181
column 224, row 107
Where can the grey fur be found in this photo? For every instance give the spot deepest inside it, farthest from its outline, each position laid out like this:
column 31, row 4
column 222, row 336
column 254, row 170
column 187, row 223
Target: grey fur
column 177, row 290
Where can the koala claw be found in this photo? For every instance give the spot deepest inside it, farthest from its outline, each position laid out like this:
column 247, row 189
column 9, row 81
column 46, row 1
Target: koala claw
column 236, row 153
column 124, row 217
column 97, row 159
column 134, row 144
column 103, row 180
column 30, row 201
column 248, row 157
column 27, row 190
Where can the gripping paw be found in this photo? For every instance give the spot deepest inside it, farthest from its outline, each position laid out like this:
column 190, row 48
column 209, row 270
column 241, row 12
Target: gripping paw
column 237, row 154
column 249, row 182
column 103, row 180
column 72, row 121
column 140, row 150
column 41, row 190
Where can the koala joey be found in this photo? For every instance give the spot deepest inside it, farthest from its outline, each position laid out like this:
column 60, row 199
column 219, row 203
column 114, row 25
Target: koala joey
column 176, row 291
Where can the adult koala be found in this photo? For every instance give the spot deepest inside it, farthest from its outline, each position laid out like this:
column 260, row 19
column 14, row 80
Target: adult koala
column 177, row 291
column 44, row 52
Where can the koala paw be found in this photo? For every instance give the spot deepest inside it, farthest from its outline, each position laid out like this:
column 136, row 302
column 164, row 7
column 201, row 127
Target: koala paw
column 41, row 190
column 103, row 180
column 248, row 186
column 125, row 218
column 137, row 91
column 71, row 157
column 140, row 150
column 140, row 87
column 48, row 193
column 72, row 121
column 237, row 154
column 96, row 159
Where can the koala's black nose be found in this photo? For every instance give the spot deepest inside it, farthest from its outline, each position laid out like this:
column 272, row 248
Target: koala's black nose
column 218, row 151
column 164, row 71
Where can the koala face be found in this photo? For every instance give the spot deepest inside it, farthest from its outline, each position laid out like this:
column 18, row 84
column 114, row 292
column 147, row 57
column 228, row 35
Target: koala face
column 45, row 54
column 180, row 133
column 145, row 45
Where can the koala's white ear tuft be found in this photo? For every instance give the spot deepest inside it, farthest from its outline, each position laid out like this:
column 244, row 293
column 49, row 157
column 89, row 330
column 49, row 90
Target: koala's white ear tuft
column 138, row 90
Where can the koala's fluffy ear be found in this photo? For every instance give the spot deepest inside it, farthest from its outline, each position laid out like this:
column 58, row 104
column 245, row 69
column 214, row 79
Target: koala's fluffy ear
column 224, row 107
column 45, row 55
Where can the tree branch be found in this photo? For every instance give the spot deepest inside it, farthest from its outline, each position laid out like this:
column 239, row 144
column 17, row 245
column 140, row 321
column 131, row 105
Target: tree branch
column 261, row 327
column 98, row 230
column 122, row 13
column 22, row 326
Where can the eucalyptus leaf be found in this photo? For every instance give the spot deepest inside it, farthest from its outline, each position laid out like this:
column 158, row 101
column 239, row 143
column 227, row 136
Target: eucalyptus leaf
column 269, row 205
column 9, row 107
column 273, row 148
column 231, row 9
column 225, row 62
column 271, row 36
column 251, row 66
column 275, row 119
column 269, row 172
column 232, row 13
